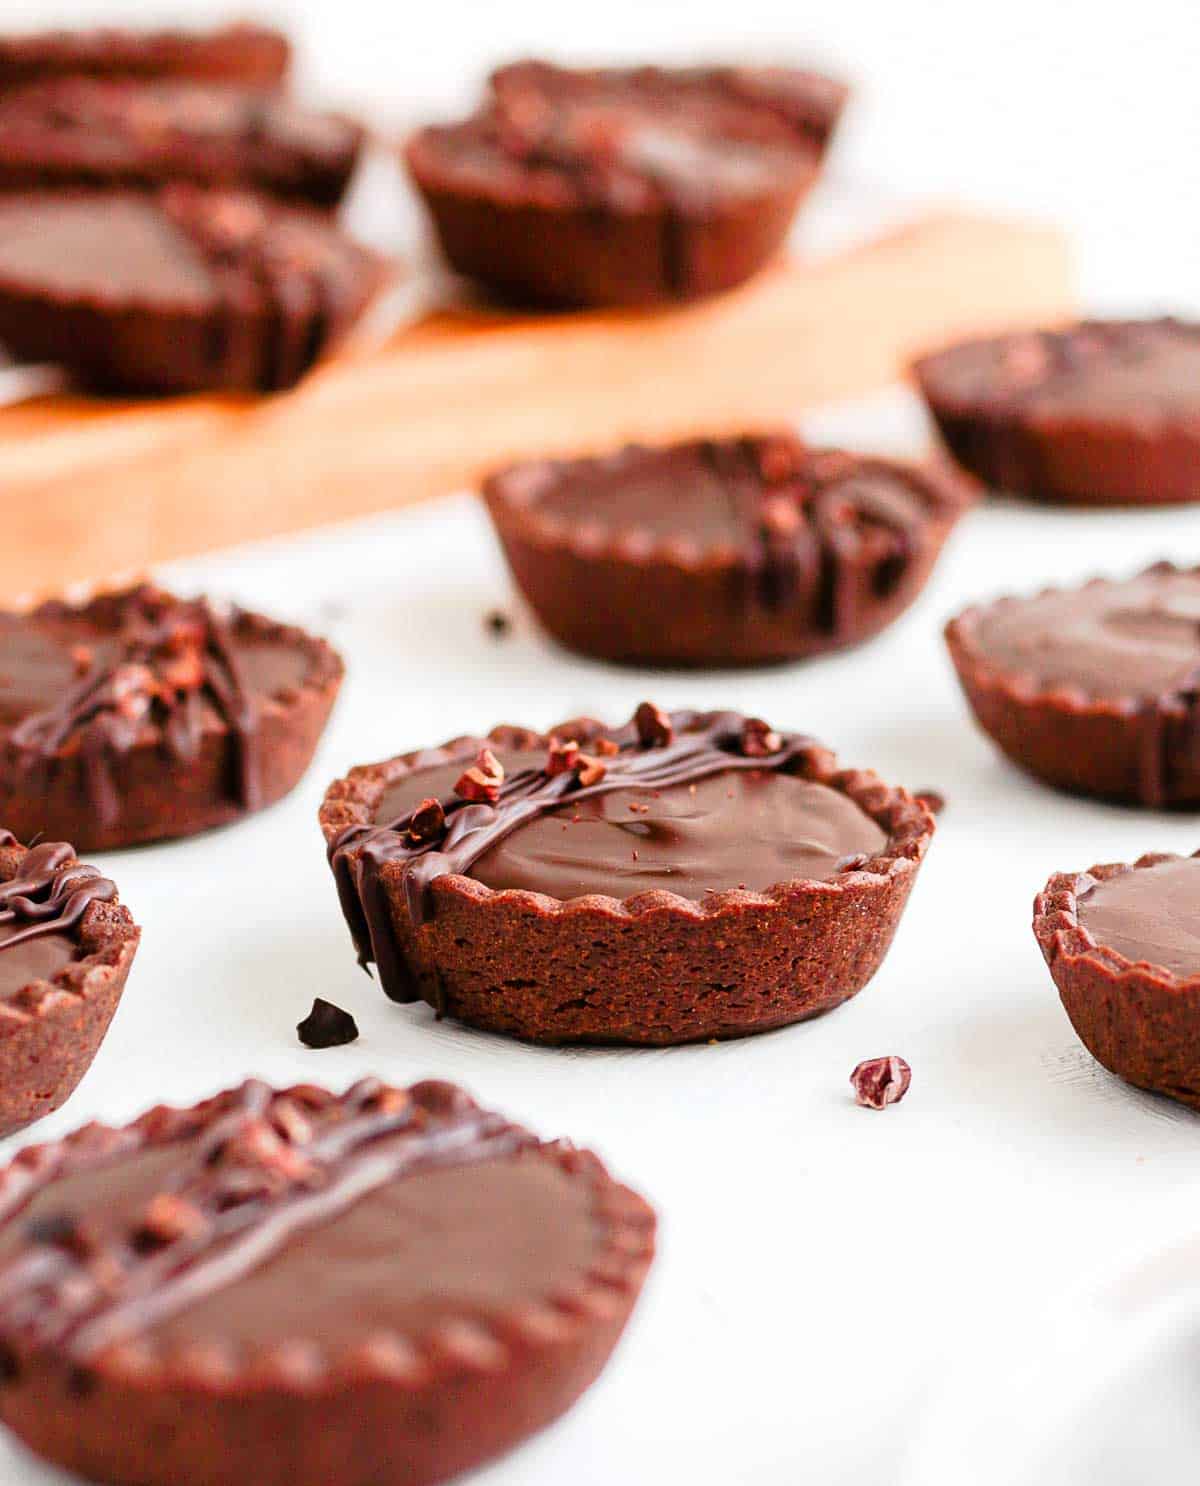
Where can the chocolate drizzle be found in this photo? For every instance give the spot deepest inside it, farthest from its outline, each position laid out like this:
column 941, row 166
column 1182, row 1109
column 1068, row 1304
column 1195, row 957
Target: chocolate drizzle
column 171, row 660
column 48, row 895
column 701, row 745
column 270, row 1167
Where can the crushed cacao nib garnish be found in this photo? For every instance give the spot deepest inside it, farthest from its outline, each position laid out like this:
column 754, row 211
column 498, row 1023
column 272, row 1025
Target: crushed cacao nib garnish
column 482, row 781
column 562, row 757
column 327, row 1025
column 653, row 725
column 590, row 770
column 758, row 739
column 428, row 821
column 879, row 1082
column 168, row 1218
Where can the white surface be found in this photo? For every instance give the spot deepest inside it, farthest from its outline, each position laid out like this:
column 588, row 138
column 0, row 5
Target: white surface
column 824, row 1270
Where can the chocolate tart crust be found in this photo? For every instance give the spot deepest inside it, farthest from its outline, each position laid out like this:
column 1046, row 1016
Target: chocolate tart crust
column 654, row 968
column 51, row 1030
column 1133, row 750
column 1141, row 1021
column 160, row 796
column 623, row 594
column 386, row 1409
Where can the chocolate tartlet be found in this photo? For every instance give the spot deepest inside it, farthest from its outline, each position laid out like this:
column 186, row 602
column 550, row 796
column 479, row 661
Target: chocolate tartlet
column 66, row 945
column 687, row 876
column 140, row 716
column 253, row 55
column 97, row 132
column 1093, row 689
column 184, row 290
column 1123, row 946
column 624, row 186
column 1102, row 413
column 295, row 1289
column 731, row 552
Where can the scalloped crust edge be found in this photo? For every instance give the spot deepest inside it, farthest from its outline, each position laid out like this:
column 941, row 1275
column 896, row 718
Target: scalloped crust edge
column 909, row 824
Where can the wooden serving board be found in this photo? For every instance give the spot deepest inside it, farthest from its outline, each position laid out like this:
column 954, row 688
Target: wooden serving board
column 90, row 488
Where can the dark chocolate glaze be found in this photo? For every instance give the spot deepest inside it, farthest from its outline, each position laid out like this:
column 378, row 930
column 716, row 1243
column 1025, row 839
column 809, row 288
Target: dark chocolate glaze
column 1148, row 914
column 172, row 665
column 795, row 519
column 57, row 241
column 1096, row 370
column 1137, row 638
column 1135, row 642
column 39, row 909
column 206, row 1234
column 706, row 816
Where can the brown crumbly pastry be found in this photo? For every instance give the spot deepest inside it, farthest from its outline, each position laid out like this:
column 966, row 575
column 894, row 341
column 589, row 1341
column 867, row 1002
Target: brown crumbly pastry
column 1123, row 945
column 624, row 186
column 253, row 55
column 739, row 551
column 1093, row 689
column 182, row 290
column 139, row 716
column 290, row 1288
column 687, row 876
column 101, row 132
column 1098, row 414
column 66, row 945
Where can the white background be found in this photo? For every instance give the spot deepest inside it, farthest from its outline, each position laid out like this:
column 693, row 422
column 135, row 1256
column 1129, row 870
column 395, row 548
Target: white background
column 826, row 1273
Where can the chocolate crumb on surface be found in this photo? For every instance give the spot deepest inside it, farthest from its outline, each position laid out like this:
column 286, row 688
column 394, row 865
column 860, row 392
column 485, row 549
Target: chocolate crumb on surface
column 498, row 624
column 327, row 1025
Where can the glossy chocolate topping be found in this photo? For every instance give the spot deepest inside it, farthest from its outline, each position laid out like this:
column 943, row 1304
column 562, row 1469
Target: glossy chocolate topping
column 791, row 516
column 126, row 248
column 1139, row 638
column 101, row 130
column 295, row 1216
column 131, row 667
column 708, row 805
column 629, row 140
column 1099, row 369
column 1149, row 914
column 39, row 908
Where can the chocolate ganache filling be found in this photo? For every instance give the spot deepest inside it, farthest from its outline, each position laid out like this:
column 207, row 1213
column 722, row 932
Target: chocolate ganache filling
column 39, row 909
column 689, row 803
column 1149, row 914
column 278, row 1216
column 96, row 679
